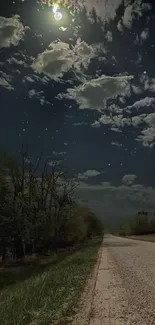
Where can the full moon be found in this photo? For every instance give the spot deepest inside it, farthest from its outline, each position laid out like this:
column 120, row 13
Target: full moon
column 57, row 15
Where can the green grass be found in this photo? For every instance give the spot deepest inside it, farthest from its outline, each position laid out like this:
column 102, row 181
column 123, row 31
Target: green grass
column 49, row 297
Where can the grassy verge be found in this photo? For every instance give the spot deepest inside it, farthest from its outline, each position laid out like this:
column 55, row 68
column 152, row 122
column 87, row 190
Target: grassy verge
column 49, row 297
column 149, row 237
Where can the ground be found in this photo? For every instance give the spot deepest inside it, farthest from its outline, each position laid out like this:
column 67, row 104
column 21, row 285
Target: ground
column 46, row 292
column 122, row 289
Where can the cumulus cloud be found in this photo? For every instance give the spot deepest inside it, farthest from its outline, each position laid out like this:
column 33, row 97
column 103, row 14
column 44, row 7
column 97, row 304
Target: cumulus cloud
column 38, row 95
column 94, row 93
column 60, row 58
column 11, row 31
column 129, row 179
column 88, row 173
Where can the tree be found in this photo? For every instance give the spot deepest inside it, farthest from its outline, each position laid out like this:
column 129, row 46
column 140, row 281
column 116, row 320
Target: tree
column 136, row 226
column 152, row 225
column 38, row 211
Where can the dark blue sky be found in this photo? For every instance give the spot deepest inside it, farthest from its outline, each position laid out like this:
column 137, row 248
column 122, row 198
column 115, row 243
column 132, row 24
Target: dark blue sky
column 82, row 90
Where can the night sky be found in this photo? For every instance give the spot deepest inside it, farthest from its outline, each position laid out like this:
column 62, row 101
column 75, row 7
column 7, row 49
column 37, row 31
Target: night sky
column 81, row 90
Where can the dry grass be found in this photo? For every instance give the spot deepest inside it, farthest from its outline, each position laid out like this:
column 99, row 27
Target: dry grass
column 46, row 295
column 149, row 237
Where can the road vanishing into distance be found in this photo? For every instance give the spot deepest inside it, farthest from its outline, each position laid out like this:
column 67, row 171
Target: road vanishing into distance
column 124, row 286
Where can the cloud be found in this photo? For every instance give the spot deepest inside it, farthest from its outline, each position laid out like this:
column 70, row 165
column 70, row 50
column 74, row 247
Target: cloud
column 35, row 78
column 120, row 26
column 114, row 129
column 109, row 36
column 128, row 16
column 96, row 124
column 137, row 90
column 147, row 137
column 11, row 31
column 60, row 58
column 116, row 144
column 104, row 9
column 5, row 81
column 38, row 95
column 80, row 123
column 61, row 153
column 144, row 34
column 129, row 179
column 118, row 121
column 147, row 83
column 13, row 60
column 144, row 122
column 88, row 173
column 29, row 79
column 132, row 11
column 116, row 201
column 142, row 103
column 94, row 93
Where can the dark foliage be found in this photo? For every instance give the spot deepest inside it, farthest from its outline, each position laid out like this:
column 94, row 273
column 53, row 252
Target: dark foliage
column 38, row 212
column 140, row 225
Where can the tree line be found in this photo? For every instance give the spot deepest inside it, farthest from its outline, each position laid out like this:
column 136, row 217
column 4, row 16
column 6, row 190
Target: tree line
column 139, row 225
column 38, row 210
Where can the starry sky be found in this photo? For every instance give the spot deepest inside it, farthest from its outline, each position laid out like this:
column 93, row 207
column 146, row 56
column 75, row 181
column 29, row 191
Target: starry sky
column 81, row 91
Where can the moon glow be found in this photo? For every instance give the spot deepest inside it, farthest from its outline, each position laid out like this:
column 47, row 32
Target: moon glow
column 57, row 15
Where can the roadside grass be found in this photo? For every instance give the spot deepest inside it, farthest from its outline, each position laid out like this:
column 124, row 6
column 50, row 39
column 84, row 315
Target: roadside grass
column 149, row 237
column 50, row 296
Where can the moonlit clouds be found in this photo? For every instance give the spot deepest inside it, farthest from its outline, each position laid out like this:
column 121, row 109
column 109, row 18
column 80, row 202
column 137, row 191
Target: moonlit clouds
column 142, row 103
column 129, row 179
column 126, row 197
column 6, row 81
column 88, row 173
column 128, row 16
column 145, row 134
column 105, row 9
column 61, row 58
column 94, row 93
column 144, row 34
column 39, row 96
column 11, row 31
column 133, row 11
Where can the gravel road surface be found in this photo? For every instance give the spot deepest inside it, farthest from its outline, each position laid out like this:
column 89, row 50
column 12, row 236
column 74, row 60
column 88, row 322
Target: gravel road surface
column 123, row 287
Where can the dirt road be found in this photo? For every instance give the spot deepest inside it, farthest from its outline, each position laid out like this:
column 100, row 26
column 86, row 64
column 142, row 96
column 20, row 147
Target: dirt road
column 123, row 290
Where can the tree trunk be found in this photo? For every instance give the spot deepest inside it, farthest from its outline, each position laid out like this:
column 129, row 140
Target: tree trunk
column 19, row 247
column 4, row 254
